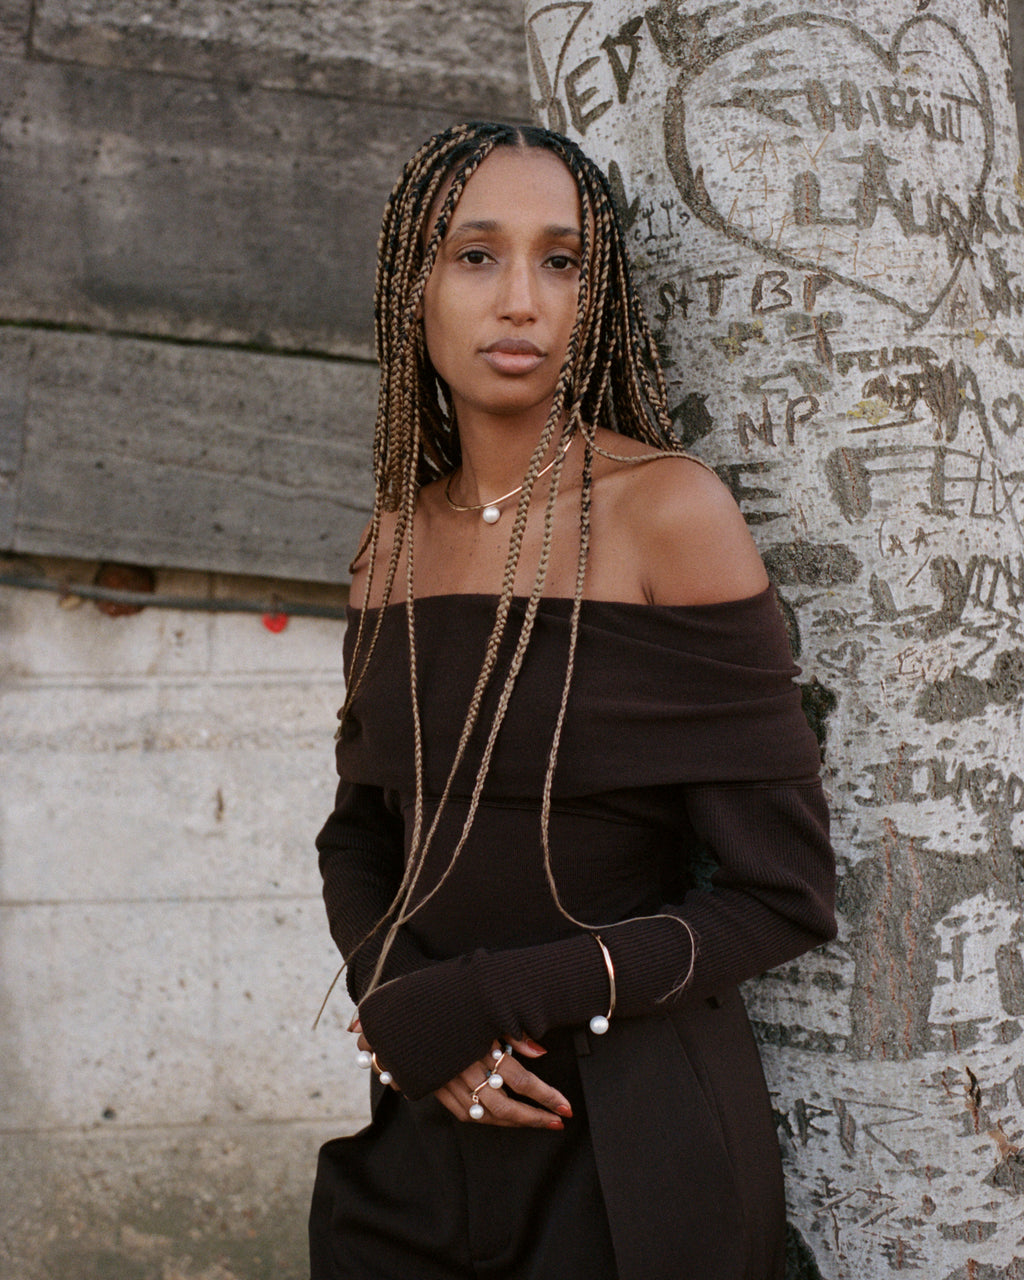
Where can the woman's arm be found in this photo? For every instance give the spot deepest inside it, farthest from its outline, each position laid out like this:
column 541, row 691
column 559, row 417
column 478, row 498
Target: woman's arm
column 361, row 858
column 770, row 899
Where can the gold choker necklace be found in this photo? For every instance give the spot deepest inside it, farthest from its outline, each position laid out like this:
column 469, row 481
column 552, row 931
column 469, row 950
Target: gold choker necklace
column 490, row 512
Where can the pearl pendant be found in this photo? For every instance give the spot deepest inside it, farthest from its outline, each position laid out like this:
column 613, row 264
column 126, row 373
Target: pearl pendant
column 490, row 515
column 599, row 1024
column 495, row 1080
column 476, row 1111
column 364, row 1059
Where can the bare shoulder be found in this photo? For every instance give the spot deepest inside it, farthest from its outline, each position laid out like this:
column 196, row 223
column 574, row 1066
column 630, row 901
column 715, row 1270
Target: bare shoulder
column 686, row 533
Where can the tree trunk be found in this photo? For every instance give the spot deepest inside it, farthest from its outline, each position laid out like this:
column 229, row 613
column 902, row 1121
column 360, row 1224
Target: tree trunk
column 826, row 209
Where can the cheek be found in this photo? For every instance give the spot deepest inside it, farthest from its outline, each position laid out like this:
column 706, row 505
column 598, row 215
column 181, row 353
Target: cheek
column 568, row 317
column 447, row 328
column 433, row 326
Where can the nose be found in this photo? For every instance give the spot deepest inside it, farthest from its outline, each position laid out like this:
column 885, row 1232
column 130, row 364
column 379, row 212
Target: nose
column 518, row 301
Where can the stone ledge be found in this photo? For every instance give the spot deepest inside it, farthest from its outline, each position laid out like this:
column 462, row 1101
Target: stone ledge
column 178, row 208
column 188, row 456
column 465, row 56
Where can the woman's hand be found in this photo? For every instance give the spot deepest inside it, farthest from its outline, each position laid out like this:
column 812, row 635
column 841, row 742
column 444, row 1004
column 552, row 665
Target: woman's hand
column 499, row 1109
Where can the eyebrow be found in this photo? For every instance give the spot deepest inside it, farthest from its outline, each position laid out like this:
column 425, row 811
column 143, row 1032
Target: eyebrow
column 491, row 225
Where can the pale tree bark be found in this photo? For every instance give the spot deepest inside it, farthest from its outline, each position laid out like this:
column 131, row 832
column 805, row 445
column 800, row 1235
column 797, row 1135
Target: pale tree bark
column 825, row 202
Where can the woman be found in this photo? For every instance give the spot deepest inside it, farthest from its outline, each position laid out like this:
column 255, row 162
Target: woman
column 578, row 800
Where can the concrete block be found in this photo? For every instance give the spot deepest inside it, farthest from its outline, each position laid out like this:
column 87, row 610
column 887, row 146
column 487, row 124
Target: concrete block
column 468, row 56
column 167, row 825
column 14, row 366
column 199, row 1203
column 275, row 961
column 108, row 1013
column 42, row 639
column 161, row 454
column 15, row 20
column 194, row 209
column 255, row 650
column 76, row 716
column 144, row 788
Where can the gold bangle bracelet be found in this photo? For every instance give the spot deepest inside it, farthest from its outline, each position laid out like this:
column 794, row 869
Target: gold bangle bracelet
column 385, row 1075
column 600, row 1021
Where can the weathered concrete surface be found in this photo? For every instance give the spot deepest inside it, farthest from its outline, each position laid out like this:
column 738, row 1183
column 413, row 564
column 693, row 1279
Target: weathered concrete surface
column 161, row 205
column 463, row 56
column 199, row 175
column 15, row 18
column 165, row 454
column 14, row 358
column 826, row 206
column 163, row 948
column 228, row 1204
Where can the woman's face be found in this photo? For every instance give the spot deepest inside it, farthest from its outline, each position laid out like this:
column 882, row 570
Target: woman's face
column 500, row 303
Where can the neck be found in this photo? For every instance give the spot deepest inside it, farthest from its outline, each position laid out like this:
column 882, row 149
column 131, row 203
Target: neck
column 496, row 456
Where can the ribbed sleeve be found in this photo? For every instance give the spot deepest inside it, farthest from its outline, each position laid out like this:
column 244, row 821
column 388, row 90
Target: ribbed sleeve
column 360, row 856
column 770, row 900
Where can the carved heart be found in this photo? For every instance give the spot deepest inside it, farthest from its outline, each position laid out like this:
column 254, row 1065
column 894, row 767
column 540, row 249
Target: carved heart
column 868, row 166
column 1008, row 412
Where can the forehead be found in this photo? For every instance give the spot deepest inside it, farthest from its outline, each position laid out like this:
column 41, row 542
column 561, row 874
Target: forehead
column 520, row 186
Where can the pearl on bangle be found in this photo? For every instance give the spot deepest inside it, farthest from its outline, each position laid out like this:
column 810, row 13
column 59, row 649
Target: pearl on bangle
column 364, row 1059
column 599, row 1024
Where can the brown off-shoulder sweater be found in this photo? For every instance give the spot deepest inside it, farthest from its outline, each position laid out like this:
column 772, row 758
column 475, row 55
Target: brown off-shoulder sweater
column 686, row 788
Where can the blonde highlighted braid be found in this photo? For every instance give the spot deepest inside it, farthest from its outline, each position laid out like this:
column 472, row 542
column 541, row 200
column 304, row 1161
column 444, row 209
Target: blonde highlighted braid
column 611, row 378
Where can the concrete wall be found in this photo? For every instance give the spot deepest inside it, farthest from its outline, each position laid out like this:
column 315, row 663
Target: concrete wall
column 189, row 199
column 200, row 175
column 162, row 944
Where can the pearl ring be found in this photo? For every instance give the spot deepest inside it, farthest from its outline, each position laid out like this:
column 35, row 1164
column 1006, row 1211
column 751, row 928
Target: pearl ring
column 494, row 1078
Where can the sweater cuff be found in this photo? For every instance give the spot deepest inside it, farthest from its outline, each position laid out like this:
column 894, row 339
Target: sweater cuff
column 430, row 1025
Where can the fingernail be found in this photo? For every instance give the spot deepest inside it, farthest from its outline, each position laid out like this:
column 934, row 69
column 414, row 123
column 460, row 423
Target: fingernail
column 355, row 1024
column 534, row 1047
column 564, row 1109
column 555, row 1124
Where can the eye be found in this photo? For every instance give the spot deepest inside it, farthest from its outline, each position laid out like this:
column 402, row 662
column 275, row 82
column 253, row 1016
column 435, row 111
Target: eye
column 475, row 257
column 563, row 262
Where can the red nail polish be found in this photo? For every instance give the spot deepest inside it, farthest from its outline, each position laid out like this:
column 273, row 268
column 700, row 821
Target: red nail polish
column 555, row 1124
column 564, row 1109
column 534, row 1046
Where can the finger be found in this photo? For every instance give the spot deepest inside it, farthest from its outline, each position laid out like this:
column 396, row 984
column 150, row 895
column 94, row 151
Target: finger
column 511, row 1113
column 528, row 1048
column 363, row 1043
column 495, row 1107
column 448, row 1099
column 523, row 1081
column 519, row 1079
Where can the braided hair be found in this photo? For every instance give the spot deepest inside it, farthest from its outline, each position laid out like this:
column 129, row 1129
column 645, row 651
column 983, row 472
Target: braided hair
column 611, row 377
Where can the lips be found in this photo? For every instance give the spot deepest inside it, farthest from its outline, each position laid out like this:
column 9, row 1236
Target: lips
column 513, row 355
